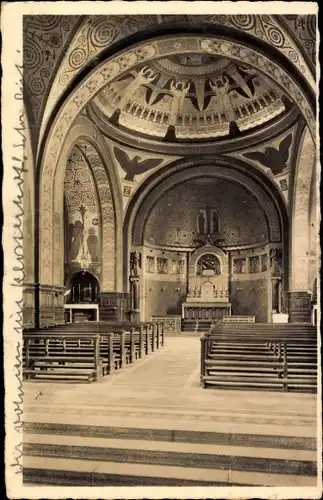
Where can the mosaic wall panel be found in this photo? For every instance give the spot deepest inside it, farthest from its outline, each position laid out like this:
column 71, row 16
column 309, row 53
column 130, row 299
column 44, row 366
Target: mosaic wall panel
column 241, row 219
column 150, row 264
column 239, row 266
column 46, row 38
column 82, row 233
column 162, row 265
column 264, row 262
column 254, row 264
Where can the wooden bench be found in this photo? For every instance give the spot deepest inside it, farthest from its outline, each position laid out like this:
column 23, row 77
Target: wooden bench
column 260, row 356
column 61, row 357
column 70, row 350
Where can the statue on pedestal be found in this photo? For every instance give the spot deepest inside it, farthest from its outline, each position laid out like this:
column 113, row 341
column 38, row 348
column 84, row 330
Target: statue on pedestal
column 135, row 263
column 276, row 257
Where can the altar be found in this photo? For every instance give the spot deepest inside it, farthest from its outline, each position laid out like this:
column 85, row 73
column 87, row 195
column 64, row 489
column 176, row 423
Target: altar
column 207, row 311
column 208, row 285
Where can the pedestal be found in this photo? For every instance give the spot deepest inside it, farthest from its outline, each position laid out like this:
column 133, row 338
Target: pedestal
column 299, row 307
column 279, row 318
column 134, row 291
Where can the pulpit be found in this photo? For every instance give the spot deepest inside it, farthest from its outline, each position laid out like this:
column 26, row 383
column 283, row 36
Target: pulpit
column 208, row 285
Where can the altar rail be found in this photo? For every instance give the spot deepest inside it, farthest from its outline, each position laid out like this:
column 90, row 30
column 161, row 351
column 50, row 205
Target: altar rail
column 260, row 356
column 171, row 323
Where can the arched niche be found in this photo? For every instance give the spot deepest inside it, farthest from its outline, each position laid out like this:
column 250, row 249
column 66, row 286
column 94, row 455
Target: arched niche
column 196, row 257
column 83, row 217
column 50, row 223
column 84, row 287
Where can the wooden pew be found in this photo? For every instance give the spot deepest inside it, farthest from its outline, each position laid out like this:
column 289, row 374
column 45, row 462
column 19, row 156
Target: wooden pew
column 260, row 356
column 119, row 344
column 58, row 356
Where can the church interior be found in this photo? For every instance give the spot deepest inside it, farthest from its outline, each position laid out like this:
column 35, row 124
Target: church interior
column 171, row 250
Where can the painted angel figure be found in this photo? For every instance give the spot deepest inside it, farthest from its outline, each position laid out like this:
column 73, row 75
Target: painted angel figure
column 221, row 88
column 144, row 76
column 179, row 91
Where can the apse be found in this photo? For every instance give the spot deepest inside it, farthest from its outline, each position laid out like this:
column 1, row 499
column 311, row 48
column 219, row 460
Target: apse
column 208, row 251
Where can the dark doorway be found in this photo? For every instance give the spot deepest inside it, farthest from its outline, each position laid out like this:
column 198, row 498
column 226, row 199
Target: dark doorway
column 84, row 288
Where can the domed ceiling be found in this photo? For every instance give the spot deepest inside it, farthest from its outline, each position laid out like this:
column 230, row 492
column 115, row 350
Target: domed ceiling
column 189, row 96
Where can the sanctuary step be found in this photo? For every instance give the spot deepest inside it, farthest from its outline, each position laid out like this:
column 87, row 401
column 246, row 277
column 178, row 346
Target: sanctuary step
column 260, row 356
column 101, row 455
column 196, row 326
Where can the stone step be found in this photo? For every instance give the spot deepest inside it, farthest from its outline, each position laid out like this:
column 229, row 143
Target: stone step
column 32, row 441
column 272, row 460
column 97, row 430
column 60, row 471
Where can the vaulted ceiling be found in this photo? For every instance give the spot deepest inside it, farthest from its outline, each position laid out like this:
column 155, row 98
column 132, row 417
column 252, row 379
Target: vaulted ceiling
column 201, row 95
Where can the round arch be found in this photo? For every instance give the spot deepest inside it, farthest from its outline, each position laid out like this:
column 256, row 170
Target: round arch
column 50, row 221
column 50, row 165
column 261, row 187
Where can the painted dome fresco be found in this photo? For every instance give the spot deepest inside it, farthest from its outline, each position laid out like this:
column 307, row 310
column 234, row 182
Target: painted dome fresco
column 189, row 96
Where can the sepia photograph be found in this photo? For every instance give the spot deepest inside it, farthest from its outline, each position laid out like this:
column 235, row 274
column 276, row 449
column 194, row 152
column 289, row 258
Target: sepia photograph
column 161, row 241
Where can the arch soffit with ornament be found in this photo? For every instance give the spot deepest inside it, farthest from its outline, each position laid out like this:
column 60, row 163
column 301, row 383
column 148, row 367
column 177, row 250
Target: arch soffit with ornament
column 98, row 157
column 92, row 38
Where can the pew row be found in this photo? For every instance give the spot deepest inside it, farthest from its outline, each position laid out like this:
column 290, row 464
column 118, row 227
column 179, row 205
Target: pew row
column 261, row 357
column 86, row 351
